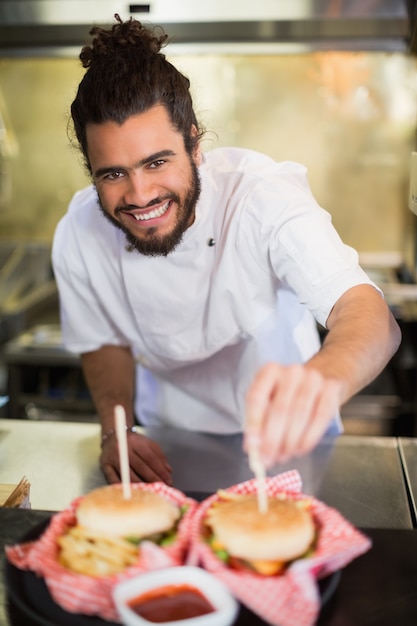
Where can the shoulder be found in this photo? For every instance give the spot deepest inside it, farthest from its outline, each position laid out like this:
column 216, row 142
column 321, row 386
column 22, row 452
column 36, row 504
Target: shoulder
column 251, row 162
column 83, row 214
column 83, row 227
column 83, row 200
column 249, row 174
column 256, row 180
column 82, row 206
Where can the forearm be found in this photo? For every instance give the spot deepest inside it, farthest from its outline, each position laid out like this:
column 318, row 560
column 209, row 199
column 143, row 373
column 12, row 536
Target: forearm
column 288, row 408
column 110, row 376
column 363, row 336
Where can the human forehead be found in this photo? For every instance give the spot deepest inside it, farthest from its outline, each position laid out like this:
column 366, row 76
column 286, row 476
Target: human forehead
column 138, row 136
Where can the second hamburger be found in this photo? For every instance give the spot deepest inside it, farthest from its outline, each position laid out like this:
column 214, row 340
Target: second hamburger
column 266, row 543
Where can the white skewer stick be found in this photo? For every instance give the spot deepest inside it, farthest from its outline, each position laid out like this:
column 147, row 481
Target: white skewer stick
column 258, row 469
column 120, row 419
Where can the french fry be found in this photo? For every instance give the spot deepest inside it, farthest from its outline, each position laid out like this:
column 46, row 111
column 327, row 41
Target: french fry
column 95, row 555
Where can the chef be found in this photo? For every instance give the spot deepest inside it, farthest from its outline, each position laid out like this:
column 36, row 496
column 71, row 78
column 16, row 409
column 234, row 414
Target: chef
column 192, row 283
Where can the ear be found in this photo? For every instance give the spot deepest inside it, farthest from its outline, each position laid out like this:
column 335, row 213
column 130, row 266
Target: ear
column 197, row 149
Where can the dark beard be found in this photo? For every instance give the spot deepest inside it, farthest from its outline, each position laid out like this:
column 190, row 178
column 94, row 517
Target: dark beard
column 162, row 246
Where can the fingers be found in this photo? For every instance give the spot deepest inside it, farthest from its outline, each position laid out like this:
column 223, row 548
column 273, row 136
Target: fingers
column 291, row 411
column 146, row 459
column 288, row 410
column 258, row 399
column 326, row 408
column 110, row 473
column 285, row 416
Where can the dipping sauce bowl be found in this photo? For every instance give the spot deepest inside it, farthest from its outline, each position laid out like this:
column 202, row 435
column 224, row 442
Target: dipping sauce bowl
column 175, row 596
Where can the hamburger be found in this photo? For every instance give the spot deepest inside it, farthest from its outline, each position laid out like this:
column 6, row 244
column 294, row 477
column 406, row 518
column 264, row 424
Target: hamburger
column 245, row 538
column 109, row 528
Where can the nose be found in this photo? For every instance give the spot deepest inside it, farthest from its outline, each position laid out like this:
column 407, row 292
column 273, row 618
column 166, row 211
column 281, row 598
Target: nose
column 140, row 189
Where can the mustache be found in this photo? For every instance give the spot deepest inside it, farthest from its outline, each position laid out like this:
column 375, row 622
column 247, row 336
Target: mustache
column 131, row 207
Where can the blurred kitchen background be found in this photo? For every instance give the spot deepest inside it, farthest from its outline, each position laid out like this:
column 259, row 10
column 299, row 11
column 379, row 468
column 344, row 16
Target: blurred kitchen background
column 331, row 84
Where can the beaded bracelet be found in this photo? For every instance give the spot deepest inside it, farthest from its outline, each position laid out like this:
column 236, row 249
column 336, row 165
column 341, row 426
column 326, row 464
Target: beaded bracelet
column 112, row 431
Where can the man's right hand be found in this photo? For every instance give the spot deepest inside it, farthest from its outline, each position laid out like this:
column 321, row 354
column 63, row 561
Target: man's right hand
column 146, row 459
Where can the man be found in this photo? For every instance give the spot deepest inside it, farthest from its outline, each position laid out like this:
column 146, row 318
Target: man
column 191, row 284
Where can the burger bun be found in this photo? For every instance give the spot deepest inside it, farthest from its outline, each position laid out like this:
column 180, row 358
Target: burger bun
column 106, row 511
column 285, row 532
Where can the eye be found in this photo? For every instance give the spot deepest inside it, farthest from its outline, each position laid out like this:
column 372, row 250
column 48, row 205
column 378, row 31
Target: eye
column 157, row 163
column 113, row 176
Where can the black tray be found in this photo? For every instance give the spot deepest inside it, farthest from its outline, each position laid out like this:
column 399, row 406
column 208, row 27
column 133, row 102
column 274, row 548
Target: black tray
column 29, row 602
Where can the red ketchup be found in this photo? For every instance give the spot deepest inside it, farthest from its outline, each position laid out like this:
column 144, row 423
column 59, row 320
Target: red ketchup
column 171, row 603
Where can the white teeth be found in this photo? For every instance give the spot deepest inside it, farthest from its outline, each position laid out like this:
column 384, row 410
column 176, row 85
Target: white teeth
column 155, row 213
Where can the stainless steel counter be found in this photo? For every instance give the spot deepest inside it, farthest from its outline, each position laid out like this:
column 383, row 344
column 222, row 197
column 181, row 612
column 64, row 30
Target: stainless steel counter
column 60, row 459
column 408, row 452
column 360, row 476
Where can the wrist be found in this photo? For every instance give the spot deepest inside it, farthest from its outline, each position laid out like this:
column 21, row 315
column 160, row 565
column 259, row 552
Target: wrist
column 108, row 434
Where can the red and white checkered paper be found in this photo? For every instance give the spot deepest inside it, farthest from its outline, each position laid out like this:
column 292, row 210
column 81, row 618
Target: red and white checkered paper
column 78, row 593
column 291, row 599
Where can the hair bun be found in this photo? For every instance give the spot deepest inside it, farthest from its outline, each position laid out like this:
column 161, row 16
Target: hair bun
column 121, row 36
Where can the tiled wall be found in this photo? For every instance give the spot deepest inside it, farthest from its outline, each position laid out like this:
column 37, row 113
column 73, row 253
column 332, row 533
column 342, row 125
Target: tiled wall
column 349, row 117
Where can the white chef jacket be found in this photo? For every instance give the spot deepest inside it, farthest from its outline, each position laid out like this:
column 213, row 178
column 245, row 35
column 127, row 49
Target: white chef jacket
column 202, row 320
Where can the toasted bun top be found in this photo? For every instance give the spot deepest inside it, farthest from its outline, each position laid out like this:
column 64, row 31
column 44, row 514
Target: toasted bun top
column 106, row 511
column 283, row 533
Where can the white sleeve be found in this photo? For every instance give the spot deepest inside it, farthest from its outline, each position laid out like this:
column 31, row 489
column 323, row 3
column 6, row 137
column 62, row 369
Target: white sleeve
column 303, row 248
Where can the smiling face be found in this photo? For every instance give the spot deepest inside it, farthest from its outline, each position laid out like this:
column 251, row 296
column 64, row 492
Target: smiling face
column 147, row 183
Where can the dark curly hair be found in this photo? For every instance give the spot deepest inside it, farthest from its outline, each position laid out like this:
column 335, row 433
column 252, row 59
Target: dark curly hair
column 127, row 74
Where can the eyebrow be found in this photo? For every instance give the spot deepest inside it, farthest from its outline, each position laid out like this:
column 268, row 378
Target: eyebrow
column 103, row 171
